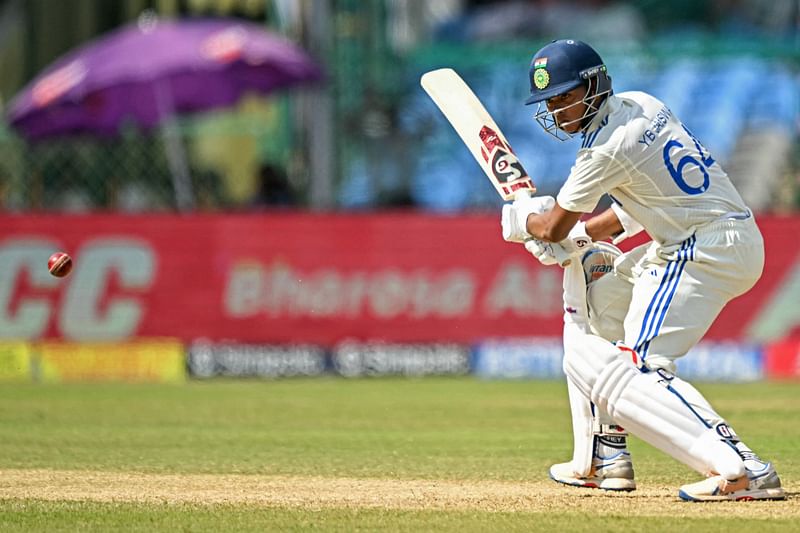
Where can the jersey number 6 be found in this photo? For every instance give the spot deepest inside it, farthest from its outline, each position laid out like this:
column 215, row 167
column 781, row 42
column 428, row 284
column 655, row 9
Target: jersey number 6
column 703, row 163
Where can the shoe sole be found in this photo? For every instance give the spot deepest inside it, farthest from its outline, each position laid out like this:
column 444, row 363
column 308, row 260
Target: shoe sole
column 751, row 495
column 613, row 484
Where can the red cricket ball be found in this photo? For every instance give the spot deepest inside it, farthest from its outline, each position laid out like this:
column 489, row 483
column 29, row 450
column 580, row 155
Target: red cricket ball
column 59, row 264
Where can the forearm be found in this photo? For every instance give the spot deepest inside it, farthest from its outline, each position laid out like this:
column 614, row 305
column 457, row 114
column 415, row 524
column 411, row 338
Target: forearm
column 540, row 227
column 552, row 226
column 604, row 226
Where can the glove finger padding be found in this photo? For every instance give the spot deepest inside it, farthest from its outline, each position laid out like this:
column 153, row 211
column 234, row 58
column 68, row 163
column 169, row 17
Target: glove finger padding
column 542, row 251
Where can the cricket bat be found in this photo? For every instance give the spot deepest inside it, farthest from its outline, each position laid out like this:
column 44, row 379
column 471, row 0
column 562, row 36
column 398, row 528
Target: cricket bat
column 483, row 137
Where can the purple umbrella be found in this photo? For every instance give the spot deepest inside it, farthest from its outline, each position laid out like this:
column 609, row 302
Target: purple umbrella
column 148, row 72
column 151, row 71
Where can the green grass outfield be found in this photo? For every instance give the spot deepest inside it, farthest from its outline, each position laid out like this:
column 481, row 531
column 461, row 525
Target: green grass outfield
column 332, row 454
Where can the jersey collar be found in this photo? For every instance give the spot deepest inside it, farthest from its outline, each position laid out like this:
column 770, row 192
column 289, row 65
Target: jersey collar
column 599, row 120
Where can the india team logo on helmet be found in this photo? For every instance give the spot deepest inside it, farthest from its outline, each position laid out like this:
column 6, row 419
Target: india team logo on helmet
column 541, row 78
column 558, row 68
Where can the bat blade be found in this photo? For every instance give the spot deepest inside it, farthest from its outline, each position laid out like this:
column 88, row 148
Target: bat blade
column 483, row 138
column 478, row 130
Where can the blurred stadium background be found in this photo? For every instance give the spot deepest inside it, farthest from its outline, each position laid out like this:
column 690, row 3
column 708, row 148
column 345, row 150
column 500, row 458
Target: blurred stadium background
column 339, row 226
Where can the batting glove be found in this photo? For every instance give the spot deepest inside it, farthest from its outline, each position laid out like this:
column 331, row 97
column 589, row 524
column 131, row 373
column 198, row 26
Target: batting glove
column 577, row 241
column 543, row 251
column 515, row 216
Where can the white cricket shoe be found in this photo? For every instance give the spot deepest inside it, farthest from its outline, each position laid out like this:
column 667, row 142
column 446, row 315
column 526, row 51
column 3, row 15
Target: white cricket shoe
column 760, row 483
column 608, row 473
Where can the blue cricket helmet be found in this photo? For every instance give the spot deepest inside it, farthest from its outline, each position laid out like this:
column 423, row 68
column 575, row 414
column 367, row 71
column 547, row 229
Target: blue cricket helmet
column 563, row 65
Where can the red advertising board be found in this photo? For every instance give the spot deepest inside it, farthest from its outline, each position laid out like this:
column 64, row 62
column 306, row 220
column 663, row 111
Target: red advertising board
column 318, row 278
column 782, row 359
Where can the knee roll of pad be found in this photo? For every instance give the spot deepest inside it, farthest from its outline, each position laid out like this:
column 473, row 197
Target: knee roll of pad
column 585, row 357
column 611, row 384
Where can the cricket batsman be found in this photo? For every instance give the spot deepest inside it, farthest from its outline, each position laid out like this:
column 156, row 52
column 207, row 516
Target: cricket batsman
column 628, row 317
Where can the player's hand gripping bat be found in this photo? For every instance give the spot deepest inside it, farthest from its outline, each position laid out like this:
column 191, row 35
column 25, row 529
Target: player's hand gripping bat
column 484, row 139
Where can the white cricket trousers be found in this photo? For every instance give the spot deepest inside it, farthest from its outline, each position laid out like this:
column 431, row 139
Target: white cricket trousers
column 679, row 291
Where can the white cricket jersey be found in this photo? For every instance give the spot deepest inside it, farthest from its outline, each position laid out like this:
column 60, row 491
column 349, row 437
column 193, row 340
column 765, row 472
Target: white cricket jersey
column 645, row 159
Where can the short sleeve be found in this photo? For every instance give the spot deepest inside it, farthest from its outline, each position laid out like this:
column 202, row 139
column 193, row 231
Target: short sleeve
column 593, row 174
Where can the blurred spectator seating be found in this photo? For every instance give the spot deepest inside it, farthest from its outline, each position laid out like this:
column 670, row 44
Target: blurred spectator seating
column 724, row 102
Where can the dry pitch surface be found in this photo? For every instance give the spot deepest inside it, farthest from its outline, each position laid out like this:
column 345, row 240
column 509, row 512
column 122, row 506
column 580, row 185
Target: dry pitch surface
column 321, row 493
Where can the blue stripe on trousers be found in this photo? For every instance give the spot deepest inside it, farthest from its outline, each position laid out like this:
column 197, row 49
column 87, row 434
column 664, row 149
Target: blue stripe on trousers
column 668, row 285
column 656, row 300
column 687, row 254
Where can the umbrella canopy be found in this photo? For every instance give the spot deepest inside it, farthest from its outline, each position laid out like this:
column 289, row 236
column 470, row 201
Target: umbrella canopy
column 146, row 72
